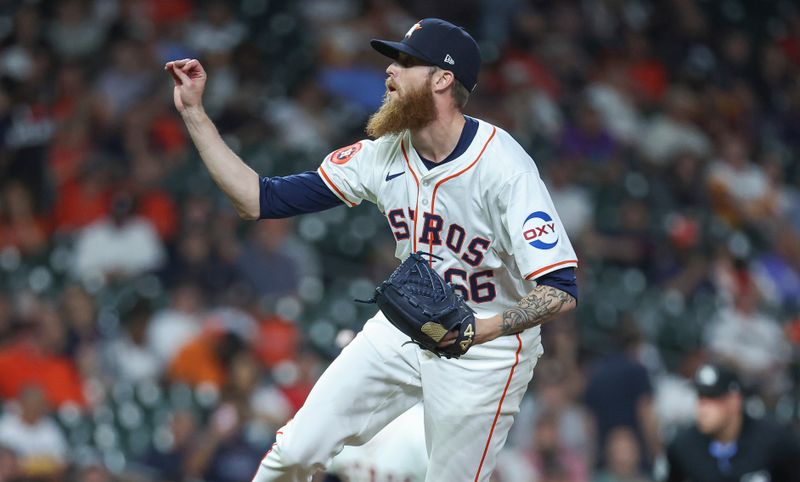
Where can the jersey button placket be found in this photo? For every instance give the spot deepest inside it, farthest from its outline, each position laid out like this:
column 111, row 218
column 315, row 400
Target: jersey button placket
column 426, row 194
column 425, row 206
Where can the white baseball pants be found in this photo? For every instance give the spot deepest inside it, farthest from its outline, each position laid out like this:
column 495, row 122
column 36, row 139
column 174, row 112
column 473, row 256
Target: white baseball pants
column 469, row 404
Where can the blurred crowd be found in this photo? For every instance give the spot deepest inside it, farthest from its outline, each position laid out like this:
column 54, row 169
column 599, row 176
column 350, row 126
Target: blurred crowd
column 146, row 334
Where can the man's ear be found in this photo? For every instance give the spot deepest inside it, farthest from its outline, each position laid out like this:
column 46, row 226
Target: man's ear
column 442, row 80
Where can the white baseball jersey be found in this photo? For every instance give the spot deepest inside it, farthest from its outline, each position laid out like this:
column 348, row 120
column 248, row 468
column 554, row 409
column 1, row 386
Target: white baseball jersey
column 487, row 213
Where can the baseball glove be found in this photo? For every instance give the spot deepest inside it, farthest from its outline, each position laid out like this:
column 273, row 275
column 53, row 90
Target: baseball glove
column 419, row 303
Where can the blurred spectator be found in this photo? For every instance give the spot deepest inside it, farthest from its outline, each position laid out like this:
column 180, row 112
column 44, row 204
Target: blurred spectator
column 586, row 139
column 76, row 32
column 25, row 36
column 551, row 459
column 609, row 96
column 739, row 188
column 222, row 452
column 304, row 120
column 86, row 198
column 10, row 470
column 278, row 340
column 749, row 339
column 682, row 266
column 36, row 357
column 345, row 76
column 27, row 124
column 217, row 31
column 169, row 462
column 675, row 398
column 619, row 394
column 206, row 359
column 777, row 271
column 529, row 101
column 674, row 132
column 21, row 226
column 153, row 202
column 119, row 246
column 172, row 327
column 553, row 397
column 127, row 79
column 647, row 73
column 128, row 357
column 264, row 262
column 32, row 436
column 686, row 182
column 629, row 243
column 622, row 458
column 197, row 258
column 269, row 407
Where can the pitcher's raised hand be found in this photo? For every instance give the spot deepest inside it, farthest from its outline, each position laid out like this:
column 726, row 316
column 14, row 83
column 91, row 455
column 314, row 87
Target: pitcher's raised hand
column 190, row 81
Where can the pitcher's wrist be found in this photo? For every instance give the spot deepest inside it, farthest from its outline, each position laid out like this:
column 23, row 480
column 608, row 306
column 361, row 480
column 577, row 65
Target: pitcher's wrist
column 487, row 329
column 193, row 113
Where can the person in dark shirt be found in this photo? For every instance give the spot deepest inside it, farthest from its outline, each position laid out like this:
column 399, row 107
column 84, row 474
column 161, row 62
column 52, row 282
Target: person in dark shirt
column 619, row 395
column 727, row 445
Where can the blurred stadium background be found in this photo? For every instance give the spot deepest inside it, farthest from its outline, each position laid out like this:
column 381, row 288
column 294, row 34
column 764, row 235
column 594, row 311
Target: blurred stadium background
column 147, row 334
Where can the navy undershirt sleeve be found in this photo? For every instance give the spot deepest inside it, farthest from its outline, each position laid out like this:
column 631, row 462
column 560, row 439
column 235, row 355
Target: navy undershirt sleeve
column 563, row 279
column 286, row 196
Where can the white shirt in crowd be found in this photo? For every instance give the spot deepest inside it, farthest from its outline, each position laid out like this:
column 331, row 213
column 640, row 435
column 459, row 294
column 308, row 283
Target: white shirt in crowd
column 131, row 249
column 40, row 440
column 169, row 331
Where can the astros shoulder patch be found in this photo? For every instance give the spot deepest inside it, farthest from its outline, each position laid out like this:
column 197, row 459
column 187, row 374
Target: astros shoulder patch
column 341, row 156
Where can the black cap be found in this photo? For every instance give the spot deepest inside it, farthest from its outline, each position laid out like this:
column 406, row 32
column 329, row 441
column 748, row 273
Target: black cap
column 714, row 381
column 439, row 43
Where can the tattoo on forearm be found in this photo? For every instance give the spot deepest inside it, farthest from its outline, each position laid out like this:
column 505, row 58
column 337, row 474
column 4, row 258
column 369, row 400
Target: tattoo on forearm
column 537, row 307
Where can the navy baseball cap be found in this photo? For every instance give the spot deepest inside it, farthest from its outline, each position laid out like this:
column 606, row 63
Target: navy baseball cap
column 715, row 381
column 439, row 43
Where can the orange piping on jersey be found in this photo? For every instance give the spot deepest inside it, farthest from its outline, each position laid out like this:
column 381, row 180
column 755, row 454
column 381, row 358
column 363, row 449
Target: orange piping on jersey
column 331, row 184
column 268, row 452
column 540, row 270
column 416, row 207
column 436, row 187
column 270, row 449
column 499, row 407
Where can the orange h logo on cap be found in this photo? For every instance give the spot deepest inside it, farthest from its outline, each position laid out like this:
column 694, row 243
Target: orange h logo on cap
column 413, row 29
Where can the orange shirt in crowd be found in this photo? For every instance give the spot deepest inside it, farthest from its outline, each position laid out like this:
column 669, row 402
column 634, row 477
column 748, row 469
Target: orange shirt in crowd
column 277, row 341
column 77, row 207
column 22, row 364
column 159, row 208
column 197, row 363
column 30, row 236
column 650, row 79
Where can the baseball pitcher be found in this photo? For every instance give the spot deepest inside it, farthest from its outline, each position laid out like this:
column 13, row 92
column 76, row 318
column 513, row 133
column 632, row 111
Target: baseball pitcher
column 485, row 261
